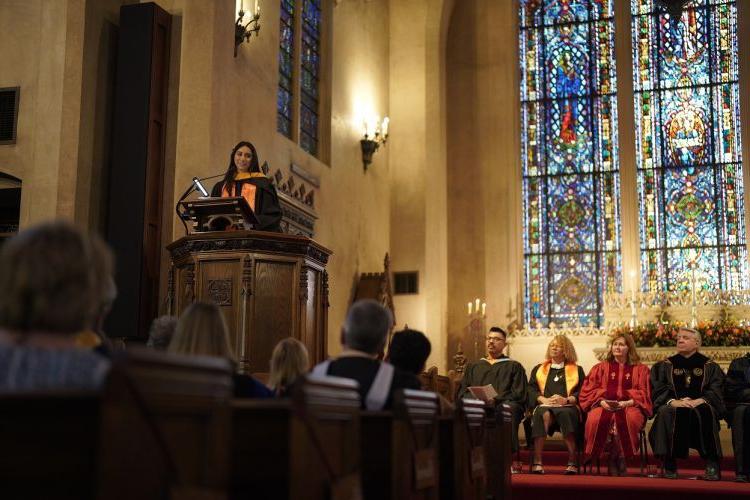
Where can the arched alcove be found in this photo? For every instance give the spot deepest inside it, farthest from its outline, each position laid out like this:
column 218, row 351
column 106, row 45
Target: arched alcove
column 10, row 205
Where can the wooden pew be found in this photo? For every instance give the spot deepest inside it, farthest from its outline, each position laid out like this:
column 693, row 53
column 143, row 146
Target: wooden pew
column 462, row 452
column 117, row 444
column 440, row 384
column 497, row 452
column 304, row 448
column 187, row 400
column 400, row 449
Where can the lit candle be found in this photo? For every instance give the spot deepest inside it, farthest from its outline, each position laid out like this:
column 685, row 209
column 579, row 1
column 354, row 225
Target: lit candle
column 477, row 305
column 469, row 308
column 242, row 5
column 386, row 121
column 364, row 124
column 257, row 8
column 484, row 308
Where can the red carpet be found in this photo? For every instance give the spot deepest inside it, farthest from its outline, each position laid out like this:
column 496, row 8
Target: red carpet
column 596, row 487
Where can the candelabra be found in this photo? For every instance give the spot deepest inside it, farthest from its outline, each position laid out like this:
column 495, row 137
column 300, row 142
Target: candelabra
column 370, row 145
column 477, row 310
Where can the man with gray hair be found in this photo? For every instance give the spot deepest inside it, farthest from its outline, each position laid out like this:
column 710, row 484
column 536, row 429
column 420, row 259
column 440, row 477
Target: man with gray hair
column 363, row 339
column 688, row 403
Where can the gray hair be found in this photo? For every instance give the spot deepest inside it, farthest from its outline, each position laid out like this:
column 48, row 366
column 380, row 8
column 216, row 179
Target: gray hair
column 366, row 326
column 691, row 330
column 161, row 332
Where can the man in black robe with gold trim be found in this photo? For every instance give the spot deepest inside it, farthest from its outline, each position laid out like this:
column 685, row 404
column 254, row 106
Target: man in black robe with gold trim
column 505, row 375
column 737, row 395
column 687, row 391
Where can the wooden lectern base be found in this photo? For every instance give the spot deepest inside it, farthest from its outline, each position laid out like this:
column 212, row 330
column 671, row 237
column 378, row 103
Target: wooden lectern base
column 269, row 285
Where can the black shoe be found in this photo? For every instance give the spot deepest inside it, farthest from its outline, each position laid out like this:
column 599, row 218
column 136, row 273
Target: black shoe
column 740, row 478
column 713, row 472
column 670, row 468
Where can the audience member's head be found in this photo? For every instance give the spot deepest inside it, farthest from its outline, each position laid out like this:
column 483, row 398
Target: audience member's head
column 54, row 279
column 161, row 332
column 366, row 327
column 201, row 330
column 409, row 351
column 289, row 360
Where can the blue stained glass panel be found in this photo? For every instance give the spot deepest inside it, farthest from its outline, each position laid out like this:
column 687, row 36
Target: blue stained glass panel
column 569, row 156
column 690, row 210
column 570, row 205
column 286, row 65
column 689, row 166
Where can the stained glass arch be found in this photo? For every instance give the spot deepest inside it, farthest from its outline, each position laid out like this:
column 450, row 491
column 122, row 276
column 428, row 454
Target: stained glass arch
column 688, row 151
column 571, row 185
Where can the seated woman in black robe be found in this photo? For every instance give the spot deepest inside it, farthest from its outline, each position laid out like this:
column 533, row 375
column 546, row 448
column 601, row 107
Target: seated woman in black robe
column 553, row 394
column 244, row 178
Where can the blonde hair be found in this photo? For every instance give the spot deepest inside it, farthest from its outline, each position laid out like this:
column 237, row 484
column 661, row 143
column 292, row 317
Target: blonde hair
column 567, row 346
column 201, row 330
column 289, row 360
column 633, row 357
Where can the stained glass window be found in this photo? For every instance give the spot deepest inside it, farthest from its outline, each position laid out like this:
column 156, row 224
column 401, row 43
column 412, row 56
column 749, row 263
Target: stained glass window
column 309, row 76
column 571, row 185
column 286, row 64
column 688, row 147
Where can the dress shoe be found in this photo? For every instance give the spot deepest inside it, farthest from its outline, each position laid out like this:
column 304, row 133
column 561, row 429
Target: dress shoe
column 713, row 472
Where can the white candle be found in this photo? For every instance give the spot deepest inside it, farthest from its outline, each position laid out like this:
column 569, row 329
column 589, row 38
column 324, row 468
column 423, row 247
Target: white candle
column 477, row 305
column 469, row 308
column 386, row 121
column 484, row 308
column 257, row 9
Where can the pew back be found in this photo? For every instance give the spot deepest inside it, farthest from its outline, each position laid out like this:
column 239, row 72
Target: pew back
column 303, row 448
column 462, row 465
column 400, row 449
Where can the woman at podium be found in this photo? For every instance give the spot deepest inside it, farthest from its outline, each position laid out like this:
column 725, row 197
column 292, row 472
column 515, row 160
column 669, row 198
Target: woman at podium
column 244, row 178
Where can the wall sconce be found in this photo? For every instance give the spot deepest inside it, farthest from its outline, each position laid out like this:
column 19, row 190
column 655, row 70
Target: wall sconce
column 379, row 136
column 244, row 32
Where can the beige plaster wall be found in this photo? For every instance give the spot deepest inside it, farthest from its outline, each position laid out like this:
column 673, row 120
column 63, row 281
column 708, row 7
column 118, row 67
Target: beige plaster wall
column 418, row 166
column 60, row 54
column 217, row 100
column 484, row 239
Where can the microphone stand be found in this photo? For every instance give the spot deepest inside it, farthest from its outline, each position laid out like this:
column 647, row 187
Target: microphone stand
column 187, row 192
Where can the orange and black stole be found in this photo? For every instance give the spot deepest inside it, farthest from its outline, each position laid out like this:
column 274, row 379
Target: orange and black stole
column 617, row 384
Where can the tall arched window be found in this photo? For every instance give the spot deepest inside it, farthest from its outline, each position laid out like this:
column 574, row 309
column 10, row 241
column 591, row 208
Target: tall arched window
column 688, row 146
column 569, row 157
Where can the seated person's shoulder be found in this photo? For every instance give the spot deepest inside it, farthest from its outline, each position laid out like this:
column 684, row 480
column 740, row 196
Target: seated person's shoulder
column 246, row 386
column 405, row 380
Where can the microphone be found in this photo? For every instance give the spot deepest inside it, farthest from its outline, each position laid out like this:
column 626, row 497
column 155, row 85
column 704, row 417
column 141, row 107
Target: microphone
column 199, row 186
column 195, row 186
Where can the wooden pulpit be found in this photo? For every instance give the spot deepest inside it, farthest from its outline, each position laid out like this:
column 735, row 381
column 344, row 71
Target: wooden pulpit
column 269, row 285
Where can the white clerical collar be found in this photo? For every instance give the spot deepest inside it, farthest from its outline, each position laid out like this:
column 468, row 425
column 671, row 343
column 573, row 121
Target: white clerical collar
column 558, row 366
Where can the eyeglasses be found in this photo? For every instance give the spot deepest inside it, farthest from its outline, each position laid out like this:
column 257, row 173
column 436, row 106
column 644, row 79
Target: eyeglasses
column 495, row 339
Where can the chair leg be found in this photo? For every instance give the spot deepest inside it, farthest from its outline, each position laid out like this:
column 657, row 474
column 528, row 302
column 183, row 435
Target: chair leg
column 643, row 450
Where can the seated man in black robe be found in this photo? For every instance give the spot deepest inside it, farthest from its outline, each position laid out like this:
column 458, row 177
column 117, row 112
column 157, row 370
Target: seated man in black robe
column 737, row 396
column 363, row 339
column 506, row 376
column 688, row 403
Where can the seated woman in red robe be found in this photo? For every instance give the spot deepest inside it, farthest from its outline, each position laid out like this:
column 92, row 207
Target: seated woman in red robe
column 244, row 178
column 617, row 397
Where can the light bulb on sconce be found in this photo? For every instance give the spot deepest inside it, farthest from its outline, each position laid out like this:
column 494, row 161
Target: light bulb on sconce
column 375, row 134
column 244, row 32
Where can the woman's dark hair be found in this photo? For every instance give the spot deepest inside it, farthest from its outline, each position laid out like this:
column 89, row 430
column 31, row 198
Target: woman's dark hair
column 409, row 351
column 232, row 170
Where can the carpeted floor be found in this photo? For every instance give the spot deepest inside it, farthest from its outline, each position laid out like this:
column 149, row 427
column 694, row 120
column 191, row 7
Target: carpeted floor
column 631, row 487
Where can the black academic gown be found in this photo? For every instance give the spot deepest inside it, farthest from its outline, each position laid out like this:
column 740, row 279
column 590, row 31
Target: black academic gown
column 737, row 396
column 508, row 378
column 267, row 208
column 676, row 430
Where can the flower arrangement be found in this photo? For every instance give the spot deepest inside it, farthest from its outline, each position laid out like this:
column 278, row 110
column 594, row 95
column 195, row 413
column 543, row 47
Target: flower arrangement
column 725, row 333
